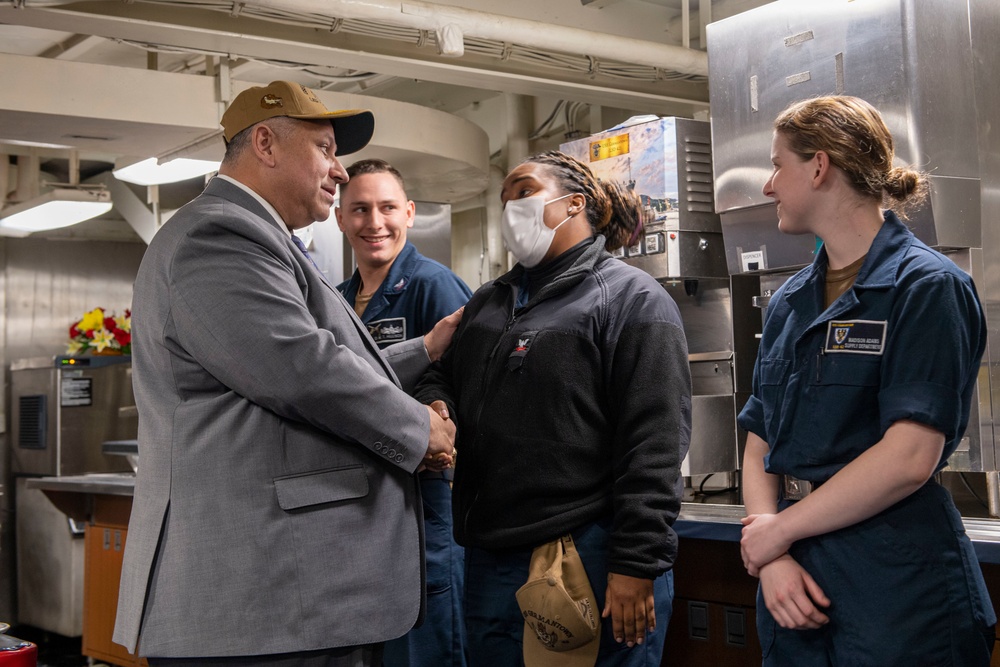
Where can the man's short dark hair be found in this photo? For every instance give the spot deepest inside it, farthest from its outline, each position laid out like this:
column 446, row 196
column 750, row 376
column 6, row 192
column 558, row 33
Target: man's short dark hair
column 280, row 125
column 371, row 166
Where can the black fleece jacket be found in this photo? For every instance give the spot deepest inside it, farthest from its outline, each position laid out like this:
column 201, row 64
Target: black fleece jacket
column 573, row 407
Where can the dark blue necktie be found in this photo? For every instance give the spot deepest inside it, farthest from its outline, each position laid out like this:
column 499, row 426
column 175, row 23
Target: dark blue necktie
column 302, row 246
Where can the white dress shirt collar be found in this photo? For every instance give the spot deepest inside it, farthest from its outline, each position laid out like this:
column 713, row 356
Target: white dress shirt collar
column 263, row 202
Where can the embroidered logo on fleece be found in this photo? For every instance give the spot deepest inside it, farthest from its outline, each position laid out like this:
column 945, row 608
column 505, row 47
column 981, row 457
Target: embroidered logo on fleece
column 516, row 358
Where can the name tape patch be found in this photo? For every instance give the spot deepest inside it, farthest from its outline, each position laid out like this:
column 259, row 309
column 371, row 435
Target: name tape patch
column 856, row 336
column 392, row 330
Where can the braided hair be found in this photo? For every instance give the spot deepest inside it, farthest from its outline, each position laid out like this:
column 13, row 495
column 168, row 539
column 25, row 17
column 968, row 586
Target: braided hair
column 612, row 210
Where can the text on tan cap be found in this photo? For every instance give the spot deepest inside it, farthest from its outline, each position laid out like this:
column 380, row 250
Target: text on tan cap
column 562, row 625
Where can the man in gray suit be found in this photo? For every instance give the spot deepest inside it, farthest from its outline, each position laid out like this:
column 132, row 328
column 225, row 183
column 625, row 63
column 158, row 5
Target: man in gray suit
column 276, row 518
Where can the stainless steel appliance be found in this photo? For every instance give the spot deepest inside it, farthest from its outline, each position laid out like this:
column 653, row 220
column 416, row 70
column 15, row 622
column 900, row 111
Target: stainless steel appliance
column 62, row 412
column 667, row 162
column 927, row 66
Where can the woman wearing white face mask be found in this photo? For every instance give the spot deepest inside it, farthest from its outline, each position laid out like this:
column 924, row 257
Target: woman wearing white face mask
column 568, row 380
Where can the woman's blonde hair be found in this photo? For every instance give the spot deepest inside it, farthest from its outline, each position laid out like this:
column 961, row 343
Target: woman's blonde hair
column 853, row 134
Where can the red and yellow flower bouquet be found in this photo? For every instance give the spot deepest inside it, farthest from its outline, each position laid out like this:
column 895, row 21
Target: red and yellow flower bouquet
column 100, row 332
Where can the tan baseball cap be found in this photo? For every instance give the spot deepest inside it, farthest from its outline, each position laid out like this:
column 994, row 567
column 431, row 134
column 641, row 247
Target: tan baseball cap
column 353, row 128
column 562, row 625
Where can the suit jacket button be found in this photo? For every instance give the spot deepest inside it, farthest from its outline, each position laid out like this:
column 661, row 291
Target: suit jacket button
column 378, row 446
column 399, row 458
column 391, row 453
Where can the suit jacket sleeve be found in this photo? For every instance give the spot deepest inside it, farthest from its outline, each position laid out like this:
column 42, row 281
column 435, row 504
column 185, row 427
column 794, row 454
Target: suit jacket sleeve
column 409, row 360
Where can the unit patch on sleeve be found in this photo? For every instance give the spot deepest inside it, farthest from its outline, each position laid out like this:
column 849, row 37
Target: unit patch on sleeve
column 856, row 336
column 392, row 330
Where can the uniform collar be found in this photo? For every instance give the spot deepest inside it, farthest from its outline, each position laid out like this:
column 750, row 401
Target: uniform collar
column 395, row 282
column 878, row 271
column 593, row 255
column 398, row 278
column 882, row 264
column 584, row 263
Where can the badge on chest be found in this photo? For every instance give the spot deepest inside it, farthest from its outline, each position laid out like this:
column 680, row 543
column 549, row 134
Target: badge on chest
column 856, row 336
column 392, row 330
column 516, row 358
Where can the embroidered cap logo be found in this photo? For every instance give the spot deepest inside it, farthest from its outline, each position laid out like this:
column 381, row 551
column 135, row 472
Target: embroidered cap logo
column 270, row 101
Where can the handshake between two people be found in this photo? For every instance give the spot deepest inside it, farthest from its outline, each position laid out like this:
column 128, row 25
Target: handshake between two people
column 441, row 448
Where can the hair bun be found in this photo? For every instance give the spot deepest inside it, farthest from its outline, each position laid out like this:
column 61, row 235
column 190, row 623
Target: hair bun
column 901, row 182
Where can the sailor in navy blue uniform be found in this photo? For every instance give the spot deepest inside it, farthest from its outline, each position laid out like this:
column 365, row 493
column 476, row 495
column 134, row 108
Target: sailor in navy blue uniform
column 416, row 293
column 400, row 294
column 862, row 390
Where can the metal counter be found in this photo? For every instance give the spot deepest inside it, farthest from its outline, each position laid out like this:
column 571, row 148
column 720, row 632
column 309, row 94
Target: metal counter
column 709, row 521
column 110, row 484
column 73, row 494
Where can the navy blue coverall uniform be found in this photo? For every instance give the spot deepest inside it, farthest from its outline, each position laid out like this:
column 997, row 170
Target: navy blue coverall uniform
column 415, row 295
column 904, row 343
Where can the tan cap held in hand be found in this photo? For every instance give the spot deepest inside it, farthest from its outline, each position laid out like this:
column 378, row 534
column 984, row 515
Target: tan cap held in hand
column 352, row 128
column 562, row 625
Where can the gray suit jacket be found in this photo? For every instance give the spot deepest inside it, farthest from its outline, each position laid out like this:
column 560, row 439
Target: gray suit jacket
column 275, row 507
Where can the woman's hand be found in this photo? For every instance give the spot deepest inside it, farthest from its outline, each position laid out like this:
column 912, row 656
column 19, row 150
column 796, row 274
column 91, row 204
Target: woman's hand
column 792, row 595
column 629, row 602
column 762, row 541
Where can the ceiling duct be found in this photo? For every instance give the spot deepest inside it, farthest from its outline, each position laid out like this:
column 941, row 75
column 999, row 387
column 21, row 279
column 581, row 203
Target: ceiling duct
column 451, row 26
column 455, row 21
column 516, row 55
column 4, row 178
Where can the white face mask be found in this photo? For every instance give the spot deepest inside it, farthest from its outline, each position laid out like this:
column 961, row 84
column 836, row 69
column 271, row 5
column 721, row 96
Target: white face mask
column 524, row 230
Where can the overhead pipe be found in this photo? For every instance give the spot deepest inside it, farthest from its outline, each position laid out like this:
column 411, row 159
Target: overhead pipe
column 452, row 22
column 519, row 112
column 4, row 178
column 29, row 168
column 708, row 11
column 493, row 246
column 261, row 47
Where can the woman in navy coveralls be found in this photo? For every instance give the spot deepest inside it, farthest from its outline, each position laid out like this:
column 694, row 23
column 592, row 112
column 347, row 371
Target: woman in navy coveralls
column 861, row 392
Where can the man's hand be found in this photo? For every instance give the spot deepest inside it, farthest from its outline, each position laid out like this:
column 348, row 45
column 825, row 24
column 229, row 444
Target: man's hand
column 441, row 446
column 792, row 595
column 629, row 602
column 437, row 340
column 441, row 408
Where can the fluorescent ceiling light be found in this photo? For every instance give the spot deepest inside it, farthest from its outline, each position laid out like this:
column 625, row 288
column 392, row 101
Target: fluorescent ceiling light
column 60, row 207
column 151, row 172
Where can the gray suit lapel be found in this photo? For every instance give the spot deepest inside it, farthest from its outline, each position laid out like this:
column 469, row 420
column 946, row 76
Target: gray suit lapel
column 220, row 187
